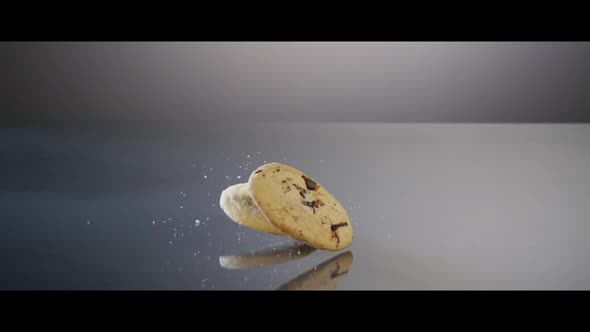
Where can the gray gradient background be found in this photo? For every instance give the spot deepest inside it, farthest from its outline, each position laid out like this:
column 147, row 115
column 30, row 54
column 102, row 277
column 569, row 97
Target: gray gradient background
column 104, row 150
column 436, row 82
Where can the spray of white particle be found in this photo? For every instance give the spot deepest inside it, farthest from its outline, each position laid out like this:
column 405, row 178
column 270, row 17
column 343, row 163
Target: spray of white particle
column 197, row 222
column 205, row 176
column 389, row 236
column 239, row 176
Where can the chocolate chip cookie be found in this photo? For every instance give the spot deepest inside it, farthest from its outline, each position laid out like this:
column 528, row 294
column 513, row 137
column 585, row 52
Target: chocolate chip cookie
column 300, row 207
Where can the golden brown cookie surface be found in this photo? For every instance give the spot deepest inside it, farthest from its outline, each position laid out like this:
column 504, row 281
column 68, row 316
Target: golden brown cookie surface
column 300, row 207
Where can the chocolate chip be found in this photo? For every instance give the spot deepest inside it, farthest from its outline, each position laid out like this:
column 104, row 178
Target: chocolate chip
column 335, row 235
column 313, row 204
column 310, row 204
column 302, row 191
column 334, row 227
column 309, row 183
column 258, row 171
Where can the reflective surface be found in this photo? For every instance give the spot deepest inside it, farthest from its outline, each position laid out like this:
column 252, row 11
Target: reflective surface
column 434, row 206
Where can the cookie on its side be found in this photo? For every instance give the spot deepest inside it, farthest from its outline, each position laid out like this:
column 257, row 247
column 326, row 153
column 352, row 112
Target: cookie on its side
column 236, row 202
column 300, row 207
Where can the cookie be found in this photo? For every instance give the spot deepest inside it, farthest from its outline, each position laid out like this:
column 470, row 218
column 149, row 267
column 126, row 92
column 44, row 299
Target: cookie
column 300, row 207
column 327, row 275
column 237, row 204
column 274, row 255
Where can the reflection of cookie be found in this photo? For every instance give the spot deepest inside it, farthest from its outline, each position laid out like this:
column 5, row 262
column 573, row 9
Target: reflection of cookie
column 327, row 275
column 269, row 256
column 300, row 207
column 237, row 204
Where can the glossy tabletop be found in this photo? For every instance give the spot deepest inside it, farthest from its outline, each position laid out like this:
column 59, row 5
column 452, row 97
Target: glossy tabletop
column 434, row 206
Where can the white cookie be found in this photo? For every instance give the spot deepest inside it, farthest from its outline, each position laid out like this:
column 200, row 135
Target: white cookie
column 237, row 204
